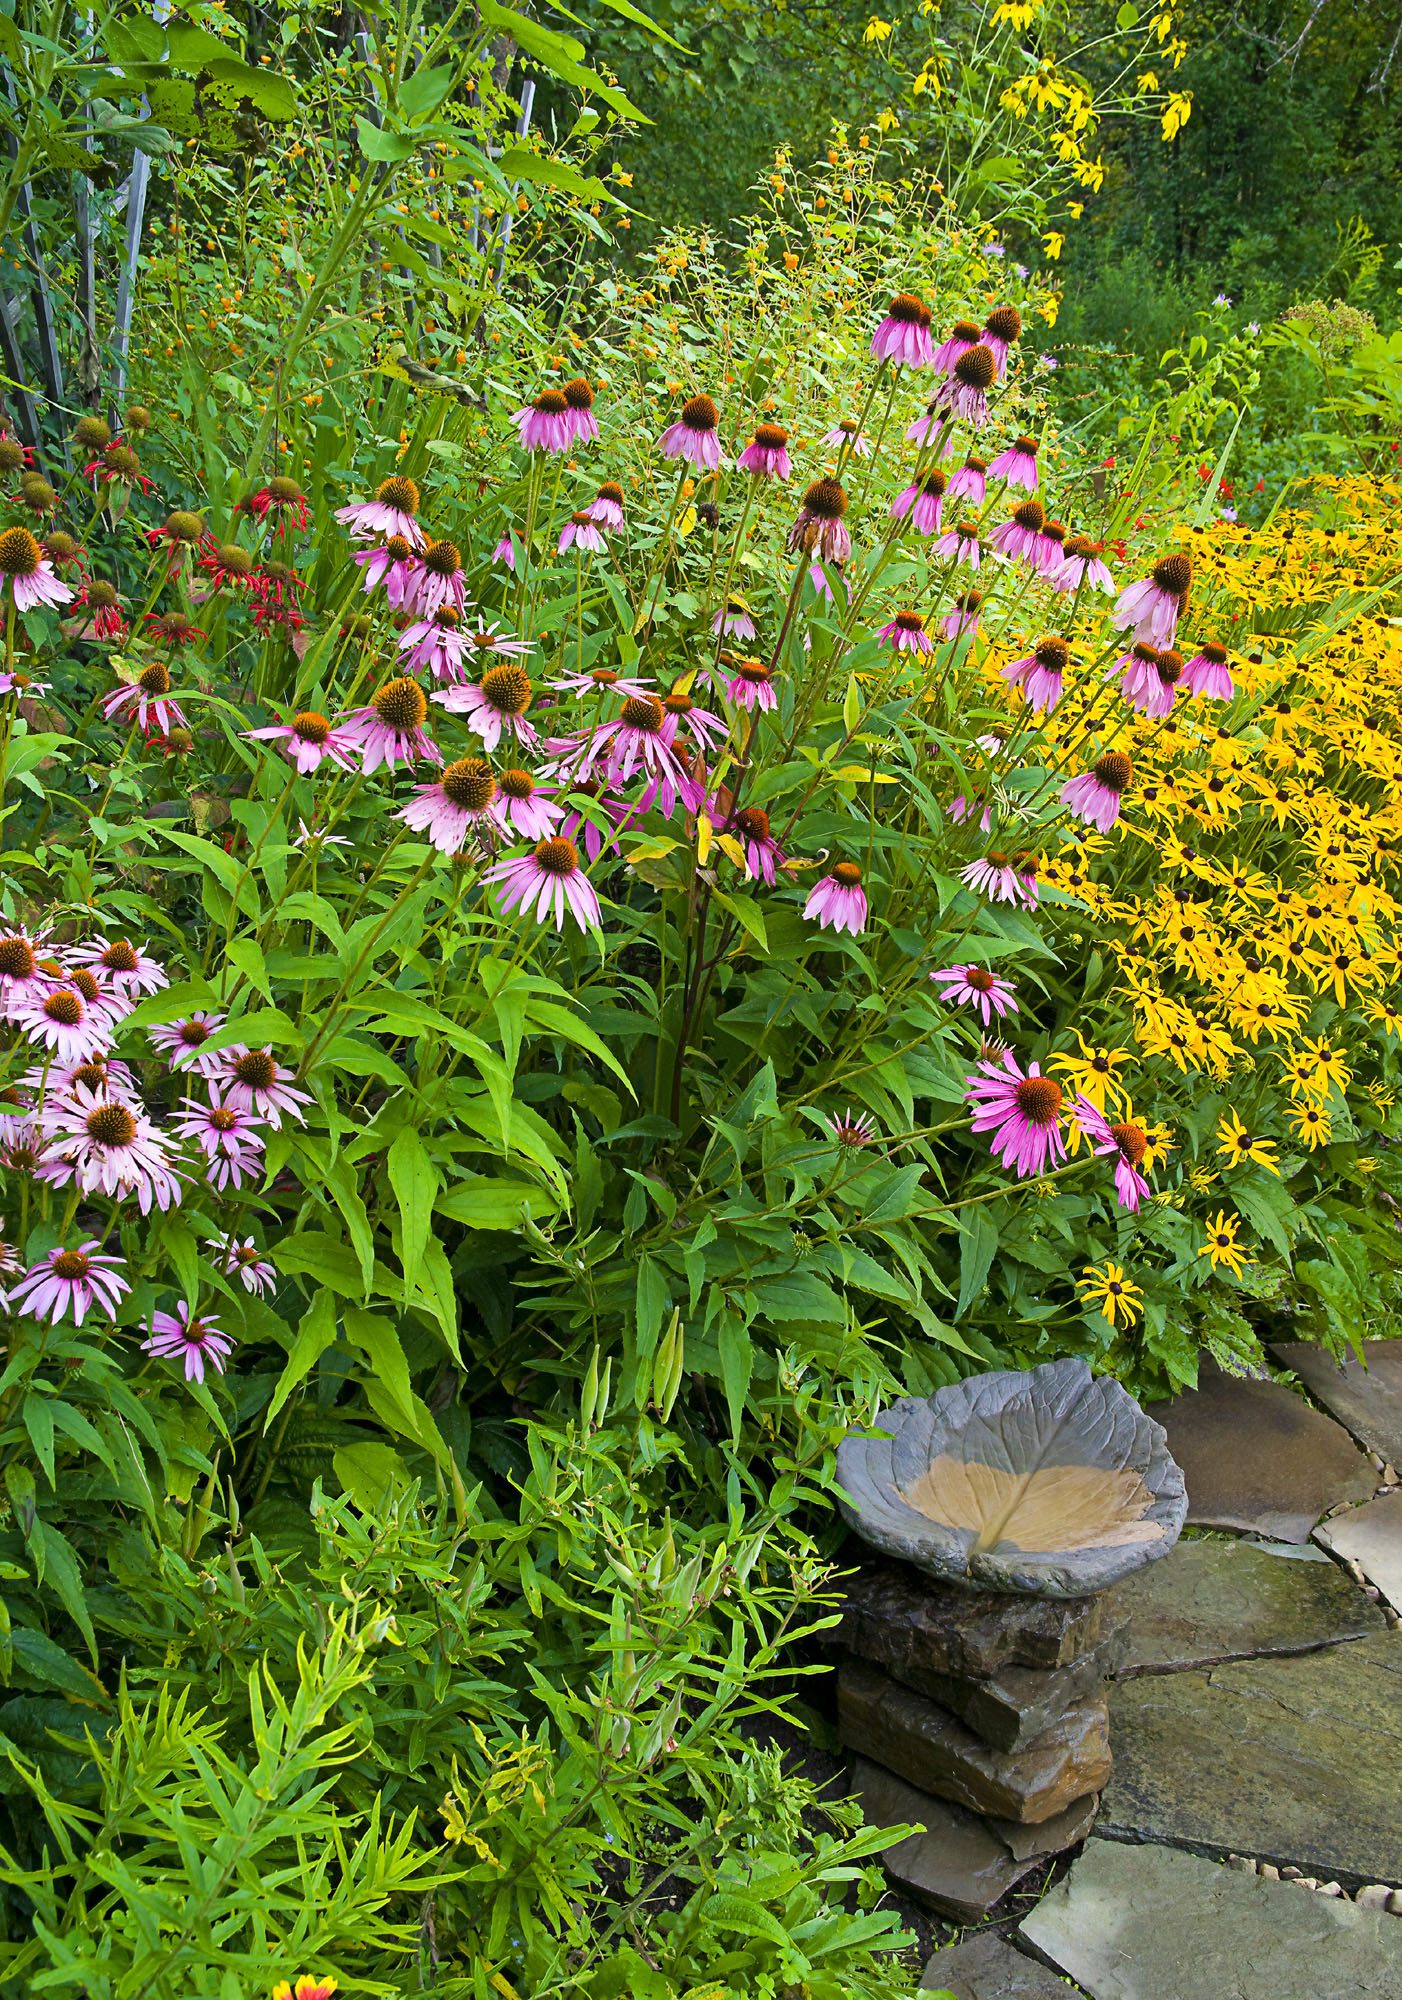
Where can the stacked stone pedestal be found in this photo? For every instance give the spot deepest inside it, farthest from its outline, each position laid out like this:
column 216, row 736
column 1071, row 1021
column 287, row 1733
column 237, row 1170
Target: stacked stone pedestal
column 980, row 1716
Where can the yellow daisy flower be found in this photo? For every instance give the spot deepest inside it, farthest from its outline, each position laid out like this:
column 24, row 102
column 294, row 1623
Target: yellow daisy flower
column 1112, row 1291
column 1093, row 1072
column 1237, row 1144
column 1221, row 1245
column 1311, row 1125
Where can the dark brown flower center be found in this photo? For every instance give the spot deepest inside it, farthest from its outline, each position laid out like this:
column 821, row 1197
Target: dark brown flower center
column 699, row 413
column 910, row 621
column 1052, row 653
column 848, row 874
column 398, row 549
column 908, row 309
column 981, row 981
column 550, row 403
column 72, row 1265
column 578, row 394
column 508, row 689
column 1031, row 514
column 1174, row 572
column 1169, row 666
column 1055, row 531
column 17, row 960
column 20, row 554
column 1004, row 323
column 442, row 559
column 753, row 671
column 517, row 784
column 256, row 1069
column 192, row 1033
column 398, row 492
column 771, row 437
column 642, row 711
column 1132, row 1141
column 751, row 823
column 611, row 490
column 86, row 984
column 92, row 1075
column 1216, row 655
column 933, row 484
column 401, row 704
column 1039, row 1099
column 111, row 1125
column 1028, row 446
column 64, row 1007
column 1115, row 771
column 977, row 368
column 120, row 957
column 469, row 783
column 557, row 856
column 223, row 1119
column 311, row 727
column 826, row 499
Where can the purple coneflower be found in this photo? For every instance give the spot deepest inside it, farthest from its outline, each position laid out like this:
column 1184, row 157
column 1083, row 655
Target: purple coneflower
column 904, row 335
column 545, row 423
column 1095, row 795
column 751, row 686
column 22, row 978
column 923, row 502
column 71, row 1281
column 839, row 901
column 1051, row 549
column 965, row 390
column 436, row 580
column 129, row 967
column 763, row 855
column 1002, row 327
column 197, row 1341
column 522, row 807
column 906, row 632
column 768, row 456
column 962, row 543
column 962, row 336
column 1207, row 673
column 1149, row 678
column 579, row 826
column 733, row 620
column 970, row 481
column 253, row 1080
column 1128, row 1143
column 495, row 704
column 1017, row 466
column 1152, row 606
column 637, row 739
column 390, row 513
column 63, row 1021
column 607, row 505
column 851, row 1129
column 244, row 1261
column 551, row 877
column 581, row 531
column 1022, row 1112
column 389, row 565
column 1001, row 877
column 390, row 730
column 437, row 644
column 961, row 808
column 101, row 1074
column 819, row 527
column 505, row 551
column 847, row 431
column 182, row 1042
column 963, row 616
column 1040, row 675
column 308, row 739
column 579, row 411
column 230, row 1139
column 1020, row 536
column 681, row 712
column 695, row 437
column 146, row 697
column 1082, row 562
column 488, row 635
column 108, row 1147
column 973, row 986
column 603, row 680
column 453, row 804
column 30, row 574
column 24, row 686
column 102, row 994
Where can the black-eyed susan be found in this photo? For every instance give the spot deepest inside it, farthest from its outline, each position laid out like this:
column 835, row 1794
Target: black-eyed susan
column 1119, row 1299
column 1222, row 1246
column 1311, row 1125
column 1239, row 1145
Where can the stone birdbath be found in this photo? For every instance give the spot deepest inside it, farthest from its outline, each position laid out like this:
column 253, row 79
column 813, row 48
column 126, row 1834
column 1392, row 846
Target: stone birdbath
column 1047, row 1481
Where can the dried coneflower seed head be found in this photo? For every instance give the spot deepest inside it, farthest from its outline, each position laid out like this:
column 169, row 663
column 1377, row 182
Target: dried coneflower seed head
column 310, row 726
column 1210, row 650
column 1174, row 572
column 771, row 437
column 138, row 418
column 977, row 368
column 642, row 711
column 398, row 492
column 36, row 493
column 1169, row 666
column 17, row 960
column 92, row 433
column 1115, row 771
column 1132, row 1141
column 933, row 484
column 1053, row 653
column 111, row 1125
column 752, row 823
column 183, row 526
column 826, row 499
column 257, row 1070
column 1031, row 514
column 59, row 547
column 1038, row 1099
column 908, row 308
column 508, row 689
column 578, row 394
column 442, row 558
column 284, row 490
column 611, row 490
column 517, row 784
column 401, row 704
column 20, row 554
column 234, row 560
column 699, row 413
column 154, row 679
column 11, row 456
column 121, row 461
column 1004, row 323
column 557, row 856
column 848, row 874
column 469, row 783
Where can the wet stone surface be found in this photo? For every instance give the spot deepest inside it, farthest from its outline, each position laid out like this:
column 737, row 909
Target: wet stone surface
column 1294, row 1761
column 957, row 1866
column 988, row 1968
column 1213, row 1601
column 1367, row 1399
column 1256, row 1457
column 1147, row 1923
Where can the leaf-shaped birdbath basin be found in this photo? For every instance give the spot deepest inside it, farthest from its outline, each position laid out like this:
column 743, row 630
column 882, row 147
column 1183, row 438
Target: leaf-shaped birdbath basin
column 1046, row 1480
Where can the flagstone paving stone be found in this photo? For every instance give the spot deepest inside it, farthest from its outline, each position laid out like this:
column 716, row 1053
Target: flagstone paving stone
column 1371, row 1536
column 986, row 1967
column 1367, row 1399
column 1210, row 1601
column 1256, row 1457
column 1147, row 1923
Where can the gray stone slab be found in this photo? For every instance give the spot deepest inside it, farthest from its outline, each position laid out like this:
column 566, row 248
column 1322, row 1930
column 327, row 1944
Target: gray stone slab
column 1293, row 1761
column 1366, row 1395
column 986, row 1967
column 1146, row 1923
column 957, row 1865
column 931, row 1748
column 1255, row 1456
column 1372, row 1537
column 1018, row 1704
column 907, row 1622
column 1207, row 1602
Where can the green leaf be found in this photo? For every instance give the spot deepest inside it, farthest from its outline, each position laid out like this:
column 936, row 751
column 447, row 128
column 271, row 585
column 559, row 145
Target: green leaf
column 371, row 1474
column 479, row 1202
column 977, row 1248
column 736, row 1363
column 388, row 147
column 315, row 1334
column 1267, row 1206
column 851, row 704
column 731, row 1912
column 652, row 1299
column 45, row 1661
column 325, row 1258
column 1127, row 17
column 177, row 1239
column 60, row 1566
column 518, row 164
column 425, row 90
column 414, row 1179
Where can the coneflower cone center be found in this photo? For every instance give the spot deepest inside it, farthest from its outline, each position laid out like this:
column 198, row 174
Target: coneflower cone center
column 1004, row 323
column 981, row 981
column 92, row 1075
column 752, row 823
column 977, row 368
column 1052, row 653
column 154, row 679
column 442, row 558
column 1028, row 446
column 1169, row 667
column 933, row 484
column 284, row 491
column 397, row 549
column 1214, row 654
column 71, row 1265
column 908, row 308
column 699, row 413
column 111, row 1125
column 257, row 1070
column 65, row 1008
column 771, row 437
column 753, row 671
column 578, row 394
column 401, row 704
column 1115, row 771
column 910, row 621
column 192, row 1033
column 20, row 554
column 17, row 960
column 848, row 874
column 84, row 982
column 1174, row 573
column 508, row 689
column 550, row 403
column 611, row 490
column 469, row 783
column 557, row 856
column 398, row 492
column 641, row 711
column 1038, row 1099
column 517, row 784
column 1132, row 1141
column 827, row 499
column 120, row 957
column 1031, row 514
column 311, row 727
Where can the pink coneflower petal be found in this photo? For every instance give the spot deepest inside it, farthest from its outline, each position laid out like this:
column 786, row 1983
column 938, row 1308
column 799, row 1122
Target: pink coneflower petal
column 71, row 1281
column 196, row 1341
column 838, row 901
column 974, row 986
column 1023, row 1113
